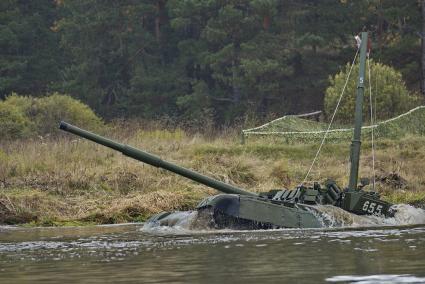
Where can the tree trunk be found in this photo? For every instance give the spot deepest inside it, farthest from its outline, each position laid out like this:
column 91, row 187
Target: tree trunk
column 423, row 48
column 380, row 27
column 160, row 18
column 236, row 90
column 266, row 23
column 158, row 21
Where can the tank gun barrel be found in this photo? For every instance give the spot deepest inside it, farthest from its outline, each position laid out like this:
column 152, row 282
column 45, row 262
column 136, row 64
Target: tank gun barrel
column 154, row 160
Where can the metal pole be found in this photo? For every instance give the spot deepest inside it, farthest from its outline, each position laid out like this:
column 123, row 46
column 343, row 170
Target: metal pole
column 356, row 142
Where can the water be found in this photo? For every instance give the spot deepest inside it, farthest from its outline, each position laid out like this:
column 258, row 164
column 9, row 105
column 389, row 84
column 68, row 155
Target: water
column 364, row 251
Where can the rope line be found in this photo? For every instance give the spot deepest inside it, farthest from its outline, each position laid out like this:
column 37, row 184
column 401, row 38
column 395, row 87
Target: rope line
column 332, row 119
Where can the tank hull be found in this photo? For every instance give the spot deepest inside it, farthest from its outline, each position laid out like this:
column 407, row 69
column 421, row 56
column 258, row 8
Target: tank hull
column 232, row 211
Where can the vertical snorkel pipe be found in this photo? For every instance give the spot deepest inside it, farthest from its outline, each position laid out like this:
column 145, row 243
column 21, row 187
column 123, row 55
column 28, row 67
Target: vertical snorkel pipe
column 358, row 119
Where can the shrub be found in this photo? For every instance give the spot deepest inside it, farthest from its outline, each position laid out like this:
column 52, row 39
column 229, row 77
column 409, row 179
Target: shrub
column 13, row 123
column 48, row 111
column 388, row 88
column 22, row 103
column 24, row 116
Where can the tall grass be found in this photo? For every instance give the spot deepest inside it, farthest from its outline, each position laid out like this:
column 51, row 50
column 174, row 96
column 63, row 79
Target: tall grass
column 67, row 180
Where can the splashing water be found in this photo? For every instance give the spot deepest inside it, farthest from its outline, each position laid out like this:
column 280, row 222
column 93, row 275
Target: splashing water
column 182, row 222
column 331, row 216
column 409, row 215
column 176, row 221
column 188, row 222
column 377, row 279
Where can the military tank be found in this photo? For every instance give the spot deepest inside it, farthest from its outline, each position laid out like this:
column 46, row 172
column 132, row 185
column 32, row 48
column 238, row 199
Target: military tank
column 237, row 208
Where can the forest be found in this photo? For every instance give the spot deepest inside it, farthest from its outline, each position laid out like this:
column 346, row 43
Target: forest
column 198, row 62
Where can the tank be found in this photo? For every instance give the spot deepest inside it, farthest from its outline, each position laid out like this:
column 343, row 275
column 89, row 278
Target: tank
column 238, row 208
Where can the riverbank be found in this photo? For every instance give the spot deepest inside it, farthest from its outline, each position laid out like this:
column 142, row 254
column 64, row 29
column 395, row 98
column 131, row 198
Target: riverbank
column 68, row 181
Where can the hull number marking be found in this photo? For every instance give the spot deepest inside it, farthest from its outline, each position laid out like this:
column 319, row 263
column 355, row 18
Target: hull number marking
column 372, row 208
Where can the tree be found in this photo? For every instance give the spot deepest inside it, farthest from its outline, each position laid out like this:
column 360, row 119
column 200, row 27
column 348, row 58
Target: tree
column 95, row 37
column 398, row 26
column 225, row 33
column 29, row 50
column 266, row 10
column 390, row 95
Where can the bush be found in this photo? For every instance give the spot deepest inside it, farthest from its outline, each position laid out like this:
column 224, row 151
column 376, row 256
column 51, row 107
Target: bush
column 24, row 116
column 388, row 88
column 52, row 109
column 13, row 124
column 22, row 103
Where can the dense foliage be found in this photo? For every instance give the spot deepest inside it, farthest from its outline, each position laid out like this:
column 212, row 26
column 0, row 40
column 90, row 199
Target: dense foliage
column 389, row 93
column 24, row 116
column 198, row 61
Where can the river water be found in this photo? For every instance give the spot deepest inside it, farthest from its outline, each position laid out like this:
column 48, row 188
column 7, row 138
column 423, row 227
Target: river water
column 363, row 251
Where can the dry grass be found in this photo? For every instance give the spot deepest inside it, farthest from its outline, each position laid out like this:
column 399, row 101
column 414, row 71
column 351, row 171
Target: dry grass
column 71, row 181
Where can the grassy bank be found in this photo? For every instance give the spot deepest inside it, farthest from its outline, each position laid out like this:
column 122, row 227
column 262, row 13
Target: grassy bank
column 70, row 181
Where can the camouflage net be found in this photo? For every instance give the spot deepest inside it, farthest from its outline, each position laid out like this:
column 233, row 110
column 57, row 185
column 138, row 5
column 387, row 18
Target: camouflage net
column 294, row 128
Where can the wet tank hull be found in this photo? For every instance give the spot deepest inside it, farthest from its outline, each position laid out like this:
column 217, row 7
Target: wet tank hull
column 232, row 211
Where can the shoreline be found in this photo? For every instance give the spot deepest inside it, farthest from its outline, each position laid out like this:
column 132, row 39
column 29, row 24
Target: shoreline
column 62, row 181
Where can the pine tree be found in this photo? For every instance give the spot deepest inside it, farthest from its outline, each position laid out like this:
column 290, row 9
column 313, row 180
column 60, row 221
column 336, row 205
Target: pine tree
column 29, row 51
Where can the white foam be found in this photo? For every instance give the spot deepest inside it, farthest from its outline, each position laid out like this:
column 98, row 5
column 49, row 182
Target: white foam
column 408, row 215
column 376, row 279
column 332, row 216
column 178, row 222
